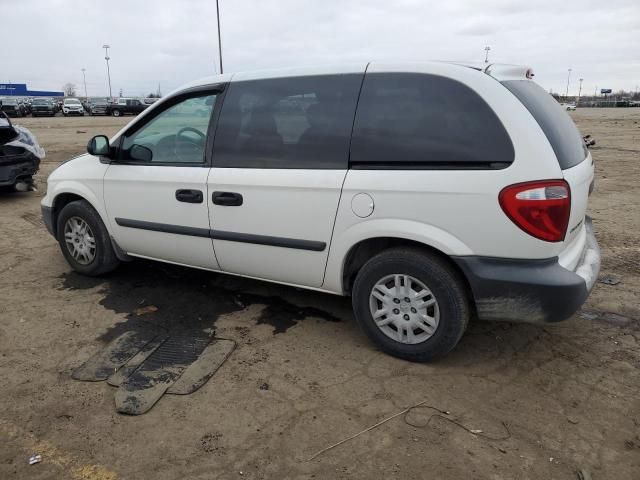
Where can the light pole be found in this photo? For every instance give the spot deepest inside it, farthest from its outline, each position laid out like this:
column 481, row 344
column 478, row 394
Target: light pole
column 566, row 95
column 486, row 55
column 219, row 37
column 106, row 57
column 579, row 90
column 84, row 79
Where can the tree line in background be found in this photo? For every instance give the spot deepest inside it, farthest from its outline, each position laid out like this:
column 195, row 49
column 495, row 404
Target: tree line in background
column 70, row 90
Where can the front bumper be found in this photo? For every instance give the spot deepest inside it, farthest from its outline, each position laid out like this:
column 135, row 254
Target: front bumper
column 16, row 167
column 532, row 291
column 47, row 218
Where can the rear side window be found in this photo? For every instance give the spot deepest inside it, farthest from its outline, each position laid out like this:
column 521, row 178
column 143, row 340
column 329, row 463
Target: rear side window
column 407, row 120
column 562, row 133
column 297, row 122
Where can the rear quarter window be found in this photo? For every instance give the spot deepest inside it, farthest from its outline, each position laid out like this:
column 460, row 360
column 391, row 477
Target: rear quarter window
column 555, row 122
column 422, row 121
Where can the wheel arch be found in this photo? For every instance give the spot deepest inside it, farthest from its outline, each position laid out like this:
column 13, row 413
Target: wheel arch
column 64, row 198
column 366, row 249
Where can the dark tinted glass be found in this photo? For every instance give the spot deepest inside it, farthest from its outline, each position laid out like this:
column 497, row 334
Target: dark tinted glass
column 298, row 122
column 426, row 121
column 555, row 122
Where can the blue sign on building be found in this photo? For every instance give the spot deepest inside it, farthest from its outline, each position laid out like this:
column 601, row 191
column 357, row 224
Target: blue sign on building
column 21, row 90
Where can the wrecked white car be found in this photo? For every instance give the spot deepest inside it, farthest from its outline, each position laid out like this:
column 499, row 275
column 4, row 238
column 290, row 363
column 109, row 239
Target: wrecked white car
column 20, row 156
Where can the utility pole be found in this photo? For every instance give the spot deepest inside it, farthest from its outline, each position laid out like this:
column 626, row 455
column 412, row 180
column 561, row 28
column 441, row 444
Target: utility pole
column 579, row 91
column 106, row 57
column 84, row 78
column 486, row 55
column 566, row 95
column 219, row 37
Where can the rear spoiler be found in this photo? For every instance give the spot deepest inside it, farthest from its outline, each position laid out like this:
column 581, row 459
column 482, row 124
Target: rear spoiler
column 503, row 72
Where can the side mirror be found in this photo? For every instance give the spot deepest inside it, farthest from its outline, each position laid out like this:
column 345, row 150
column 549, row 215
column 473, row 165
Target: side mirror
column 99, row 146
column 140, row 153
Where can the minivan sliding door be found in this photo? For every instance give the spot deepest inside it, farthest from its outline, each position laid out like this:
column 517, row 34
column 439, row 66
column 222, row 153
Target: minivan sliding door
column 280, row 157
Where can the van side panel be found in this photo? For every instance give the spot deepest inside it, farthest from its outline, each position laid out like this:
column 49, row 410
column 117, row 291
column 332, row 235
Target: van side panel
column 454, row 210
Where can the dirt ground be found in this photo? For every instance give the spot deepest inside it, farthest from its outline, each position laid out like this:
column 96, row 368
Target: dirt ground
column 549, row 401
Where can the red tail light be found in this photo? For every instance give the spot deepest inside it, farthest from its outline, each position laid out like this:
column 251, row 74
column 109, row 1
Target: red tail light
column 539, row 208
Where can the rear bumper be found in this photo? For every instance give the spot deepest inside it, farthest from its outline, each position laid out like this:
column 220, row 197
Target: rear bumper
column 532, row 291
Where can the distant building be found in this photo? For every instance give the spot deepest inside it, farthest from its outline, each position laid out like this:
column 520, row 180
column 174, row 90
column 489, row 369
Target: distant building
column 21, row 90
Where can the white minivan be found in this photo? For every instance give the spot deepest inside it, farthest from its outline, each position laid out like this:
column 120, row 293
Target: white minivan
column 430, row 193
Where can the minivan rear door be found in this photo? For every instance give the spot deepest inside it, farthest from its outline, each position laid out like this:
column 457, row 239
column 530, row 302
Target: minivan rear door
column 279, row 161
column 565, row 139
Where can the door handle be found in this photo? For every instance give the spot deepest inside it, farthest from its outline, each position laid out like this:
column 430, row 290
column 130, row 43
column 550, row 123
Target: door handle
column 228, row 199
column 189, row 196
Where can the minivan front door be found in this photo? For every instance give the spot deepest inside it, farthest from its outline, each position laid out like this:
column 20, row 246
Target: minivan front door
column 279, row 161
column 156, row 190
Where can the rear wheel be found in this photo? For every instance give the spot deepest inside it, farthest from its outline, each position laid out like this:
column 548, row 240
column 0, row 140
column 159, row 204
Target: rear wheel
column 411, row 304
column 84, row 239
column 117, row 113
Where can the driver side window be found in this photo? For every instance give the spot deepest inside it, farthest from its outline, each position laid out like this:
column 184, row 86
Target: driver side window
column 176, row 135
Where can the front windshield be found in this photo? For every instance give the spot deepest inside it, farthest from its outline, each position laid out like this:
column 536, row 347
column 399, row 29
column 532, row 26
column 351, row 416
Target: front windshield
column 9, row 101
column 41, row 102
column 72, row 101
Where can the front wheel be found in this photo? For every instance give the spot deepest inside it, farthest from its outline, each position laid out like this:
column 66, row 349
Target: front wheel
column 411, row 304
column 116, row 113
column 84, row 240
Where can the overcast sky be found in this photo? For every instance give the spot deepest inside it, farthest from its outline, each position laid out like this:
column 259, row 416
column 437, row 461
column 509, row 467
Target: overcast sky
column 45, row 43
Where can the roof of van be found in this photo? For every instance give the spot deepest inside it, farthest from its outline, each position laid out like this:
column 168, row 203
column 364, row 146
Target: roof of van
column 499, row 71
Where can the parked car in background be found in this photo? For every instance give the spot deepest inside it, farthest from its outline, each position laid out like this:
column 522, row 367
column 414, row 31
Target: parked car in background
column 126, row 106
column 13, row 107
column 26, row 103
column 72, row 106
column 41, row 107
column 98, row 105
column 568, row 106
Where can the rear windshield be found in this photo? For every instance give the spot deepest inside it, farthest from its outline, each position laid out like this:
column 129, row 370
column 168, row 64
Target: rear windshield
column 557, row 125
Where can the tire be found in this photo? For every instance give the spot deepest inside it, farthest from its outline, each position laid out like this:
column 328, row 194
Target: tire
column 104, row 258
column 450, row 313
column 116, row 113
